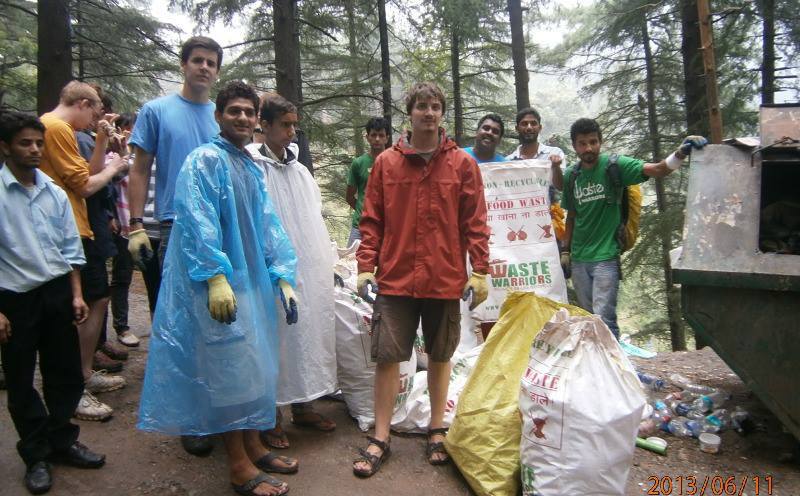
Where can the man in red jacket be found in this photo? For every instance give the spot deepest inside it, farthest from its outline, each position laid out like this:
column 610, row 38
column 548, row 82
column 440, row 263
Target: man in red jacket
column 424, row 210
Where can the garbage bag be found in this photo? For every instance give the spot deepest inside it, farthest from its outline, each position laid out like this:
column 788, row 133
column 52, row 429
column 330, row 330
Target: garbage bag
column 581, row 403
column 485, row 436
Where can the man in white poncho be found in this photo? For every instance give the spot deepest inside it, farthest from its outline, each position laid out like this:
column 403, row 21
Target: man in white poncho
column 308, row 349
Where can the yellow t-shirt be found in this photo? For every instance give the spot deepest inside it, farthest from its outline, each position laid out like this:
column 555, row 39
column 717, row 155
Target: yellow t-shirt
column 62, row 161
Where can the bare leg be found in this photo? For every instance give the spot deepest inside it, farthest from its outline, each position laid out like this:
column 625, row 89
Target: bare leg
column 387, row 385
column 438, row 382
column 89, row 333
column 239, row 464
column 255, row 450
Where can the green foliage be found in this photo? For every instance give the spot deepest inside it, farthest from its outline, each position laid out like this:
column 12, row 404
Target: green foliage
column 18, row 55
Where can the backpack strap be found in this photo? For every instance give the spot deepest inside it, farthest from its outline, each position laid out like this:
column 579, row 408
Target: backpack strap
column 572, row 177
column 614, row 178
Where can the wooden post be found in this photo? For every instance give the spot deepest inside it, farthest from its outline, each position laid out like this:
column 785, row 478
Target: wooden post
column 707, row 42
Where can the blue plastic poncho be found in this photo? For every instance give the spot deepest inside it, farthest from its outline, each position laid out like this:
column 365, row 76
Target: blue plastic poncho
column 203, row 376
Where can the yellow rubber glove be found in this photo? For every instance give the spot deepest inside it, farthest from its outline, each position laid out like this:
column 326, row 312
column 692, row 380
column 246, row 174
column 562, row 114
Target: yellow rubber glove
column 289, row 300
column 221, row 300
column 480, row 290
column 366, row 279
column 139, row 248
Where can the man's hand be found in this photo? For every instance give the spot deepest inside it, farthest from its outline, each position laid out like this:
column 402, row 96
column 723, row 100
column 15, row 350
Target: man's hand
column 80, row 310
column 479, row 289
column 140, row 249
column 555, row 160
column 690, row 143
column 289, row 300
column 566, row 264
column 364, row 280
column 221, row 300
column 119, row 163
column 5, row 329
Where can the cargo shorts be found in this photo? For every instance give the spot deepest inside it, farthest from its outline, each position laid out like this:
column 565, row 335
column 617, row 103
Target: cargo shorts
column 394, row 327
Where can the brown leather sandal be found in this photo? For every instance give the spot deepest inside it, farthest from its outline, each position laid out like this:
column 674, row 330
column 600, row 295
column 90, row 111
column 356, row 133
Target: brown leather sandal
column 375, row 461
column 437, row 447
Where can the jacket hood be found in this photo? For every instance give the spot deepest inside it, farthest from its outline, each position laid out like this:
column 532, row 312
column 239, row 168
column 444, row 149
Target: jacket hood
column 403, row 144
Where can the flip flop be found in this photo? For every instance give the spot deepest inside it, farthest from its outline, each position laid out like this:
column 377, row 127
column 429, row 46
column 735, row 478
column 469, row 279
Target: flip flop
column 249, row 487
column 270, row 436
column 265, row 464
column 319, row 424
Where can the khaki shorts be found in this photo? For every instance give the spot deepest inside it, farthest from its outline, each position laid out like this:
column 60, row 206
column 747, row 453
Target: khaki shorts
column 394, row 327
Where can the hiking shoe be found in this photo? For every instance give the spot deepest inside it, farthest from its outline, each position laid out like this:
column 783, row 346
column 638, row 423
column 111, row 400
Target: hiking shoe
column 128, row 339
column 100, row 382
column 89, row 408
column 102, row 362
column 113, row 352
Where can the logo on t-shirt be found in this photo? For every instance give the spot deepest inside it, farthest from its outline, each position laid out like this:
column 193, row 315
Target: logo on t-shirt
column 589, row 192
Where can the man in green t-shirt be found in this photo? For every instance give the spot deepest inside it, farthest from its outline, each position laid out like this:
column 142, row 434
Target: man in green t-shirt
column 591, row 247
column 379, row 130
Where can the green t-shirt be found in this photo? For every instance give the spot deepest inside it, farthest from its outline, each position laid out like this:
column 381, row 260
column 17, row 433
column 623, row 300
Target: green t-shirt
column 357, row 177
column 598, row 215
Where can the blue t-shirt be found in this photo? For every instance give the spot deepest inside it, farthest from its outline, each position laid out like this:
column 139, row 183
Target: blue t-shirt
column 497, row 156
column 169, row 128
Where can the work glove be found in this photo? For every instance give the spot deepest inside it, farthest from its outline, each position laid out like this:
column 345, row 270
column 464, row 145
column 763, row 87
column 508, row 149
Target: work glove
column 364, row 280
column 566, row 264
column 139, row 248
column 479, row 289
column 691, row 142
column 289, row 300
column 221, row 300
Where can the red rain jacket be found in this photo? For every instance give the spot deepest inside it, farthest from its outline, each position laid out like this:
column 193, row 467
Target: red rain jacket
column 421, row 219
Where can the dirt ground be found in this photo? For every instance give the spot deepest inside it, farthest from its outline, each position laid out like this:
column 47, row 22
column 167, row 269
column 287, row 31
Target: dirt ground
column 148, row 464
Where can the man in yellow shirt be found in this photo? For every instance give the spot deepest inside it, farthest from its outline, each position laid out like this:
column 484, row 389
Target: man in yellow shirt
column 80, row 107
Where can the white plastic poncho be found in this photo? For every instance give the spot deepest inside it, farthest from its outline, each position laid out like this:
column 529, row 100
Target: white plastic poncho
column 308, row 348
column 203, row 376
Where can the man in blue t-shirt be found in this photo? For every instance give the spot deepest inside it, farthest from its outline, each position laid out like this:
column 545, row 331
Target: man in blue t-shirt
column 166, row 130
column 591, row 247
column 487, row 137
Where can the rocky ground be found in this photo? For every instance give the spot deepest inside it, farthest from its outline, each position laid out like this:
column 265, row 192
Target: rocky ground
column 149, row 464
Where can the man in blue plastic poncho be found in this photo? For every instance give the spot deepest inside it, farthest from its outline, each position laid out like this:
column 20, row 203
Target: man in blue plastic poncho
column 213, row 364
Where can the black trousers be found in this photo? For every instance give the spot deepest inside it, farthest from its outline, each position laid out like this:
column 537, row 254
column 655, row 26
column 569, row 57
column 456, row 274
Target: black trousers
column 41, row 321
column 121, row 275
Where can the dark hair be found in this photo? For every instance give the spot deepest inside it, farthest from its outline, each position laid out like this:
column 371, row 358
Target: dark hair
column 236, row 89
column 424, row 90
column 528, row 110
column 201, row 42
column 108, row 104
column 497, row 119
column 585, row 126
column 125, row 119
column 11, row 123
column 273, row 105
column 378, row 123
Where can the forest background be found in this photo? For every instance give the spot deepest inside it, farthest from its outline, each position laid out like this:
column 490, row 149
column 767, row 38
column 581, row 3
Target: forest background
column 635, row 65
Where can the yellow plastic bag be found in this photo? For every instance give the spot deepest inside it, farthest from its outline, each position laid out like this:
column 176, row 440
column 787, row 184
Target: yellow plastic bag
column 484, row 438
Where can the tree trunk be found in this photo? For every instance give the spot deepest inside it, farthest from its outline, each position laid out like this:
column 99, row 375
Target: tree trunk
column 518, row 54
column 676, row 329
column 694, row 88
column 355, row 107
column 287, row 65
column 458, row 111
column 768, row 45
column 54, row 56
column 386, row 76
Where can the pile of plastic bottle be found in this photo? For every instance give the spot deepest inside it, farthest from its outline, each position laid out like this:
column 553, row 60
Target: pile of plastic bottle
column 690, row 412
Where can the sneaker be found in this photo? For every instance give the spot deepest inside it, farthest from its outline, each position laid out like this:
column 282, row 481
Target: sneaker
column 89, row 408
column 100, row 382
column 113, row 352
column 103, row 362
column 128, row 339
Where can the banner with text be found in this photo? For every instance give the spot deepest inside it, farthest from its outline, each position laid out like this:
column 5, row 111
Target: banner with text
column 523, row 254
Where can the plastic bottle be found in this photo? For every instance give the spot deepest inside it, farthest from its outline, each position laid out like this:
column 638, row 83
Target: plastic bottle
column 695, row 415
column 695, row 426
column 650, row 381
column 719, row 418
column 677, row 427
column 741, row 421
column 709, row 402
column 648, row 427
column 684, row 383
column 662, row 415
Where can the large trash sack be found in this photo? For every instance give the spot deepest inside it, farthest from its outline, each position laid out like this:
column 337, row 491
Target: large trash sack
column 581, row 403
column 415, row 415
column 484, row 439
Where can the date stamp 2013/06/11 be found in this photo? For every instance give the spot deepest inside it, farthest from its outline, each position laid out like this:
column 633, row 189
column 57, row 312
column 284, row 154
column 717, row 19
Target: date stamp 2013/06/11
column 717, row 485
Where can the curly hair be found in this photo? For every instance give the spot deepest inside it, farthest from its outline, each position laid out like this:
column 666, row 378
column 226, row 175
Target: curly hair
column 11, row 123
column 585, row 126
column 236, row 89
column 426, row 89
column 497, row 119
